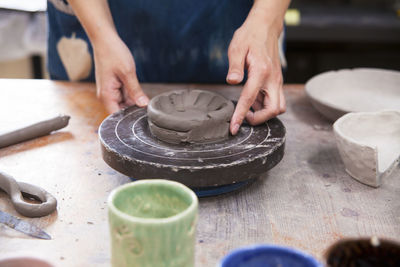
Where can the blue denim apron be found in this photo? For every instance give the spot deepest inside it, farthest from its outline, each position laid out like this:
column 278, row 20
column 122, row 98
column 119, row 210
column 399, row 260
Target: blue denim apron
column 171, row 40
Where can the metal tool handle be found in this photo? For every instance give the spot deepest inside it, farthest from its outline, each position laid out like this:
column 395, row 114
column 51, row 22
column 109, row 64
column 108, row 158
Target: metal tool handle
column 16, row 190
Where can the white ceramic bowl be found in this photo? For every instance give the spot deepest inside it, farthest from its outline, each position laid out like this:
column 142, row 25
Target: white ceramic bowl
column 369, row 144
column 335, row 93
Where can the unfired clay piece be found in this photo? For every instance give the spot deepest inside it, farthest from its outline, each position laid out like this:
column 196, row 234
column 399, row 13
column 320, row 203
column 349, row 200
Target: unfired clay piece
column 16, row 190
column 336, row 93
column 369, row 144
column 33, row 131
column 195, row 116
column 24, row 262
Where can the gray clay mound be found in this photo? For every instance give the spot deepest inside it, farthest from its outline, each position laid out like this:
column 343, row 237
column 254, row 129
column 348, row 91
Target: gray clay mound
column 194, row 116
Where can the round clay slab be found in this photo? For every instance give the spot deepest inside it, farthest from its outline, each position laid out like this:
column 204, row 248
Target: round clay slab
column 130, row 148
column 193, row 116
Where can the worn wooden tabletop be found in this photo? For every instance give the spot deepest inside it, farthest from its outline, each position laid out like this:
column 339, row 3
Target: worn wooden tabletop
column 307, row 201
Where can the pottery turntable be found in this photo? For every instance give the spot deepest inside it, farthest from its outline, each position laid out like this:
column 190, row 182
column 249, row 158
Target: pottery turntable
column 208, row 168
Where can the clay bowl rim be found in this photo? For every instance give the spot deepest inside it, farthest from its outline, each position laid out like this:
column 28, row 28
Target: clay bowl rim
column 337, row 125
column 153, row 110
column 312, row 93
column 155, row 221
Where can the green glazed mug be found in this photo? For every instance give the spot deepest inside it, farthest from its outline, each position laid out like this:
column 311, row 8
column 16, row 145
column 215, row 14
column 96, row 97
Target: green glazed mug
column 152, row 223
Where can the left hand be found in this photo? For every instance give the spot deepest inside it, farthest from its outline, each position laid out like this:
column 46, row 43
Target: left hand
column 254, row 46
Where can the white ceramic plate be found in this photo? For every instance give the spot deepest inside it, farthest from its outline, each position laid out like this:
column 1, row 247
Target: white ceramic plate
column 336, row 93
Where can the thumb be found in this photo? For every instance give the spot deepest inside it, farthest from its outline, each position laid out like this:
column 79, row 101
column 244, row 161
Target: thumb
column 133, row 90
column 236, row 56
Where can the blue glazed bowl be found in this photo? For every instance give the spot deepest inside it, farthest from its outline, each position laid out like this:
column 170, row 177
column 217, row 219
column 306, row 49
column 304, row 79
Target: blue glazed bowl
column 268, row 256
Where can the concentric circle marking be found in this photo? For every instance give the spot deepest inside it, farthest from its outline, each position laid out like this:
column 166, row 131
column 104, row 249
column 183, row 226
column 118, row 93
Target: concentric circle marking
column 138, row 122
column 129, row 147
column 192, row 150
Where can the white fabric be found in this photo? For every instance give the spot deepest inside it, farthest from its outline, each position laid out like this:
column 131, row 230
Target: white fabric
column 22, row 34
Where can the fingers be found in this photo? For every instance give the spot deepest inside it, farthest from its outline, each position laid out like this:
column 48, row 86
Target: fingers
column 133, row 89
column 111, row 106
column 128, row 102
column 236, row 55
column 259, row 103
column 108, row 92
column 247, row 98
column 270, row 108
column 116, row 78
column 272, row 105
column 282, row 101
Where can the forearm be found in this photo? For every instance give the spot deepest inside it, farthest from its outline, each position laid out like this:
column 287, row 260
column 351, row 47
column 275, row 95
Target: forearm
column 270, row 13
column 96, row 19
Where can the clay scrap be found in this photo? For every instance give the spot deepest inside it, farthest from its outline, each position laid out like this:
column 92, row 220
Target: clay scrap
column 17, row 191
column 32, row 131
column 369, row 144
column 193, row 116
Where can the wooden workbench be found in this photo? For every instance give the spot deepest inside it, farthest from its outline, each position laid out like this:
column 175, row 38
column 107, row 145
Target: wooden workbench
column 308, row 201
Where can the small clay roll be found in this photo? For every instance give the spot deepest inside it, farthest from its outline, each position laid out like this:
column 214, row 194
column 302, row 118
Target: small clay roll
column 33, row 131
column 194, row 116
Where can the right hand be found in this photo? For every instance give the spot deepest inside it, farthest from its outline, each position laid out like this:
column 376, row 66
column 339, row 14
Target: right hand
column 254, row 47
column 116, row 80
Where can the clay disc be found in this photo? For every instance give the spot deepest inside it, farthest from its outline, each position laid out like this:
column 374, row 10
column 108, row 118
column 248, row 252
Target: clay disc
column 129, row 147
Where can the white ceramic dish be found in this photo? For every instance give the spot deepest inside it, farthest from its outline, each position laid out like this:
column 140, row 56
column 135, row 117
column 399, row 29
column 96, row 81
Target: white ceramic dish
column 336, row 93
column 369, row 144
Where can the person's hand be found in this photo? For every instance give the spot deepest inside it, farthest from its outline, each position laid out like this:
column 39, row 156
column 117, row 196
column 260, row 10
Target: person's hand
column 254, row 46
column 116, row 80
